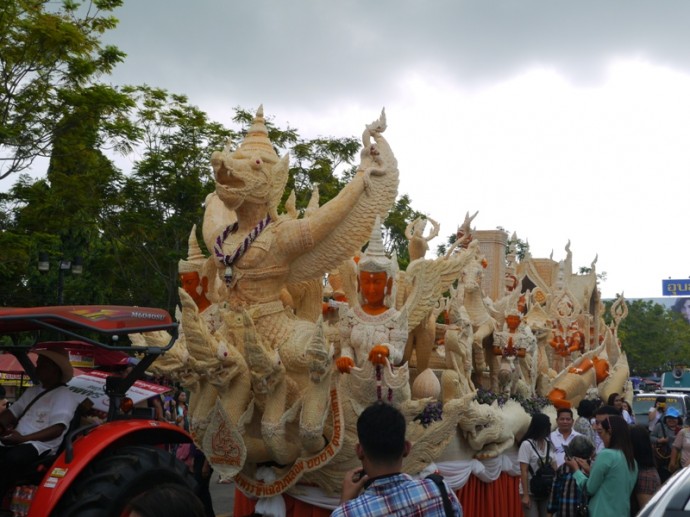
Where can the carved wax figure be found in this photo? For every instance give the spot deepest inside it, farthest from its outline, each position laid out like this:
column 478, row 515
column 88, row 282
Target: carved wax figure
column 36, row 423
column 419, row 243
column 195, row 282
column 374, row 329
column 261, row 253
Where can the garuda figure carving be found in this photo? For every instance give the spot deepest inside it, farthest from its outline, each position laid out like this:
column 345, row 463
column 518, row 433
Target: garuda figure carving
column 259, row 255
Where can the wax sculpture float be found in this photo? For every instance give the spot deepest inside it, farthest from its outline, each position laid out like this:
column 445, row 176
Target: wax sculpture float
column 278, row 377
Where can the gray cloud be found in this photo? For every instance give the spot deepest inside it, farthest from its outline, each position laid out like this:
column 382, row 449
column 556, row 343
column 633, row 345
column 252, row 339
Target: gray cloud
column 315, row 52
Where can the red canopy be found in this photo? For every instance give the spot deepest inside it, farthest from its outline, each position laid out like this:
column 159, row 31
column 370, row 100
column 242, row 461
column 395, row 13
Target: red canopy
column 10, row 364
column 87, row 355
column 82, row 355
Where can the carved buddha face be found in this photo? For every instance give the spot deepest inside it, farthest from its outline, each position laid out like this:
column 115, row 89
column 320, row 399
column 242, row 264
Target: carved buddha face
column 374, row 287
column 196, row 287
column 513, row 321
column 191, row 283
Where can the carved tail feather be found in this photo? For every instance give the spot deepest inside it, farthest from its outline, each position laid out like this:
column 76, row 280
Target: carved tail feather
column 200, row 410
column 429, row 442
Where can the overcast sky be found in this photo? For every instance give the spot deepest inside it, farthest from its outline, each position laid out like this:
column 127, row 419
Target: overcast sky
column 559, row 120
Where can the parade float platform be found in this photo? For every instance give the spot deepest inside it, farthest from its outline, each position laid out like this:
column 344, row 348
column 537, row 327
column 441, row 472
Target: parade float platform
column 486, row 488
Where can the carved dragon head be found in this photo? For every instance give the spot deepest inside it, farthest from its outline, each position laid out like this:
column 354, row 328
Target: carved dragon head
column 253, row 173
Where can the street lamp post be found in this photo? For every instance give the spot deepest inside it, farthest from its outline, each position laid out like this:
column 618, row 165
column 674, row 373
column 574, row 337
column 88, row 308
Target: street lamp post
column 76, row 266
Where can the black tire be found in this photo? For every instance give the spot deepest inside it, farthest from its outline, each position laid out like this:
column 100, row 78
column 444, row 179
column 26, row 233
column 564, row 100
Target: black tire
column 112, row 480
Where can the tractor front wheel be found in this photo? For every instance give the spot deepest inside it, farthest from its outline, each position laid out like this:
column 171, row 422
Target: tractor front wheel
column 112, row 480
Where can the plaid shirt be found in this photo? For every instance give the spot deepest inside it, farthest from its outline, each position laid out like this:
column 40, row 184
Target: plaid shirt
column 400, row 496
column 565, row 495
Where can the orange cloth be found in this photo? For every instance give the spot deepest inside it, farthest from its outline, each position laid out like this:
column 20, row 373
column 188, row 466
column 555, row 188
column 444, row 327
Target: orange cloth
column 500, row 498
column 478, row 499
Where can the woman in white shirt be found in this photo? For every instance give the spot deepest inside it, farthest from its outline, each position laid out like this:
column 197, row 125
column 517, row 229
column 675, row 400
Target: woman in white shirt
column 535, row 448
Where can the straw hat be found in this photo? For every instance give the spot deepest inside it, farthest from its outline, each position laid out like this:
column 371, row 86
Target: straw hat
column 60, row 358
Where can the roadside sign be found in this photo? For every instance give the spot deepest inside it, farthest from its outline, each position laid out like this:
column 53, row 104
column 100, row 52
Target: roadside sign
column 679, row 287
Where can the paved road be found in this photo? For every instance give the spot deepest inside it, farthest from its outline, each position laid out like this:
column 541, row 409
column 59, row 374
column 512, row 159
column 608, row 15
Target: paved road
column 223, row 496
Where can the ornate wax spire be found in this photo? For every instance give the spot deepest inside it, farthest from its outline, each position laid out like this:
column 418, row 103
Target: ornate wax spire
column 374, row 259
column 195, row 258
column 257, row 141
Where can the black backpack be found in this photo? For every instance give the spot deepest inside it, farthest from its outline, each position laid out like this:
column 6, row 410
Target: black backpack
column 542, row 479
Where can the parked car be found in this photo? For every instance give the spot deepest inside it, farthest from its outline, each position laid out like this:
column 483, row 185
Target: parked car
column 643, row 402
column 649, row 385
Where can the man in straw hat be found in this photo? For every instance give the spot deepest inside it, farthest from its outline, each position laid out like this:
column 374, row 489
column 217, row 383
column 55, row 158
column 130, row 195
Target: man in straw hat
column 36, row 423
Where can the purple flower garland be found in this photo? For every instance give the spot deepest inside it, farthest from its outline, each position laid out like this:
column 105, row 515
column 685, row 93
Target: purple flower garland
column 229, row 260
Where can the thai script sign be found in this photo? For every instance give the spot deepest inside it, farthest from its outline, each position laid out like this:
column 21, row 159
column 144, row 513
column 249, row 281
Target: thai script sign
column 679, row 287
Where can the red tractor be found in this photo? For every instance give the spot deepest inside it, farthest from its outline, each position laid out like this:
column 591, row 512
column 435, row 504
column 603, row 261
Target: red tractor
column 100, row 467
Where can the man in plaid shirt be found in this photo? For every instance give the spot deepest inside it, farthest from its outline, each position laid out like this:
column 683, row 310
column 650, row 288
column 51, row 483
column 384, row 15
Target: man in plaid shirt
column 385, row 490
column 565, row 495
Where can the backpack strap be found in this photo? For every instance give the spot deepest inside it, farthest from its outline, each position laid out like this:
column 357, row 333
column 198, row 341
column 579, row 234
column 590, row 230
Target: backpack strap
column 548, row 445
column 542, row 462
column 447, row 505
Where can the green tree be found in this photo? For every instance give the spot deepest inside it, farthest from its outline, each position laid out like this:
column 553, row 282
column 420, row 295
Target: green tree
column 64, row 213
column 653, row 337
column 318, row 161
column 443, row 248
column 46, row 52
column 164, row 195
column 521, row 247
column 584, row 270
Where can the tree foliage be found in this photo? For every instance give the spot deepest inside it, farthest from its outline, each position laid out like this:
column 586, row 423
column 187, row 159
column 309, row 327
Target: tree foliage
column 653, row 337
column 45, row 53
column 164, row 195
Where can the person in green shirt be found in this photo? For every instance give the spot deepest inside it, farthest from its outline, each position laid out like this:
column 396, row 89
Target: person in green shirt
column 611, row 478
